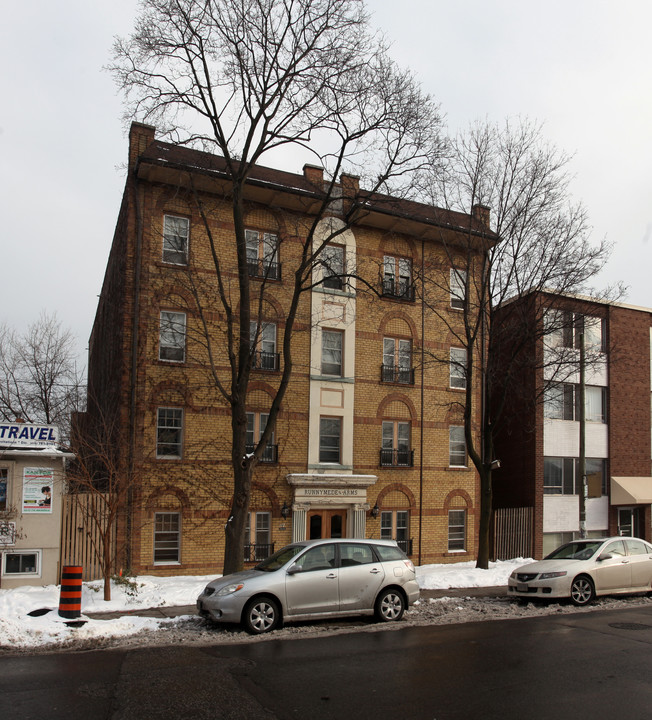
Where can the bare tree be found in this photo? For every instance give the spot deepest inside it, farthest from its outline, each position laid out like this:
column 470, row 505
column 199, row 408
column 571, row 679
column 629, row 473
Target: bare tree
column 39, row 378
column 99, row 483
column 538, row 243
column 246, row 77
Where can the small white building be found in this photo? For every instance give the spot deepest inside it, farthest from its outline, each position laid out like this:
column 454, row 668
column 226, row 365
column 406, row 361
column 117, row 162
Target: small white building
column 32, row 479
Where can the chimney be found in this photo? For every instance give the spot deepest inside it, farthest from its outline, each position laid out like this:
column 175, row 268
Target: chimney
column 350, row 185
column 140, row 138
column 482, row 214
column 314, row 175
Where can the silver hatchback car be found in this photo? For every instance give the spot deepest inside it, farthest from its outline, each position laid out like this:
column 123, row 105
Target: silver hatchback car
column 315, row 579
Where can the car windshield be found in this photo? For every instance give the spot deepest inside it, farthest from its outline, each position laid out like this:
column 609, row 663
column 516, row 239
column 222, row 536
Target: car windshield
column 575, row 551
column 279, row 558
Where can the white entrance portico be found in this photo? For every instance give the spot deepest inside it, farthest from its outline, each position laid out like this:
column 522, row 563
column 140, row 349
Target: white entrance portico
column 318, row 496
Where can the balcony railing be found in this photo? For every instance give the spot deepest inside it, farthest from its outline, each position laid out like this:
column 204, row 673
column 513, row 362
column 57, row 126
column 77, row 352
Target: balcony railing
column 265, row 361
column 396, row 458
column 270, row 453
column 405, row 545
column 264, row 269
column 258, row 552
column 401, row 288
column 395, row 374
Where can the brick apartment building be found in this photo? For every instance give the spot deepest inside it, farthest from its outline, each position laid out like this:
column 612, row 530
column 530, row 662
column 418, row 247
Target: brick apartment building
column 540, row 448
column 368, row 441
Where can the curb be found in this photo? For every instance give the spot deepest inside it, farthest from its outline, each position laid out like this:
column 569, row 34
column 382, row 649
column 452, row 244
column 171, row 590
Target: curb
column 178, row 610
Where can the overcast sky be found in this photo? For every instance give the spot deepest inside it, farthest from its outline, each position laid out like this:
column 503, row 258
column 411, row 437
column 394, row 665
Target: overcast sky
column 582, row 67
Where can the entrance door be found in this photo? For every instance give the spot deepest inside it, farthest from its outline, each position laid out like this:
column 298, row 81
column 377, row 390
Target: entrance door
column 326, row 524
column 628, row 522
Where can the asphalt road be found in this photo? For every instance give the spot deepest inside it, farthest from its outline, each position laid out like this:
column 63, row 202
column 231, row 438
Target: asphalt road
column 595, row 664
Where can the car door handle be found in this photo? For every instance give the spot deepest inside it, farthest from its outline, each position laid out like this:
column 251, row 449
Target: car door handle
column 332, row 576
column 374, row 571
column 625, row 561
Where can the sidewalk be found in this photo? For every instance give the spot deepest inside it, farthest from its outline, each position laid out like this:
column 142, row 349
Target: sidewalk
column 176, row 611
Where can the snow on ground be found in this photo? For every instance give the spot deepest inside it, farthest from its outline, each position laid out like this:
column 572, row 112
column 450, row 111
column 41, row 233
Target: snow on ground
column 466, row 575
column 20, row 630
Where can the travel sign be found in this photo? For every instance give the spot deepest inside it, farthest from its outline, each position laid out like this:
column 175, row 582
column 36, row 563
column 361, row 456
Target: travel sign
column 27, row 435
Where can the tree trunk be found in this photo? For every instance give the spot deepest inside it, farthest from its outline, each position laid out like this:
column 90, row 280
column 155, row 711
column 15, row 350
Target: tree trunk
column 237, row 521
column 107, row 586
column 107, row 564
column 484, row 532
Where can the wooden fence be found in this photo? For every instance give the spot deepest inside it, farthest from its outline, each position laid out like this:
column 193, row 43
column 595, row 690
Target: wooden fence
column 80, row 536
column 513, row 529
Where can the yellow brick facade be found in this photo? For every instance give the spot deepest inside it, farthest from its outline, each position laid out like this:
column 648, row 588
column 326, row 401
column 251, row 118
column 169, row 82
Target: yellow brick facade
column 197, row 487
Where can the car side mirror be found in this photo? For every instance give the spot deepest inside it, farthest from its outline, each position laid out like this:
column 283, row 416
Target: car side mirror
column 605, row 556
column 294, row 569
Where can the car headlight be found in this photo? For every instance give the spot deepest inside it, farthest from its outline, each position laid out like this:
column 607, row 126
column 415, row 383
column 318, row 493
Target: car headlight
column 548, row 576
column 230, row 589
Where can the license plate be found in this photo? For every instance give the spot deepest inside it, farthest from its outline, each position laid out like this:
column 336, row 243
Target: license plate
column 522, row 587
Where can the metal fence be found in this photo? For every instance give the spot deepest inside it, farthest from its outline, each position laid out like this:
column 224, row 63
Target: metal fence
column 513, row 533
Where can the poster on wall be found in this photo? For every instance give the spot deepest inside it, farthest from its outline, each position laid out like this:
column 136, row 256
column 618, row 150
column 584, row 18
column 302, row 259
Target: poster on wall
column 37, row 490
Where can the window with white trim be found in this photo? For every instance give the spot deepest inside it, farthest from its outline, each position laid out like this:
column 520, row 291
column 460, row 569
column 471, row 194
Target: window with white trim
column 456, row 446
column 256, row 424
column 175, row 239
column 332, row 346
column 172, row 336
column 397, row 361
column 395, row 525
column 169, row 432
column 332, row 262
column 167, row 538
column 456, row 530
column 458, row 368
column 258, row 536
column 457, row 288
column 262, row 254
column 330, row 438
column 263, row 345
column 396, row 449
column 397, row 277
column 21, row 563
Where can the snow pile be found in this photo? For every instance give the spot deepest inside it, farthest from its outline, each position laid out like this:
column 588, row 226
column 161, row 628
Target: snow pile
column 18, row 629
column 466, row 575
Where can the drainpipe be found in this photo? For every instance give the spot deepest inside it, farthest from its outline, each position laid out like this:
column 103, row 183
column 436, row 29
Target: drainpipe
column 423, row 346
column 583, row 490
column 134, row 368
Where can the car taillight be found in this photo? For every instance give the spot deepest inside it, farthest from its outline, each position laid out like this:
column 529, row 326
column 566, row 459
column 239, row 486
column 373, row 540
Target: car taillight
column 409, row 564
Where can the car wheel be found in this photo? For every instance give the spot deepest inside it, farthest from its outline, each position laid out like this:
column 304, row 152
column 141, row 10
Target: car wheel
column 261, row 615
column 582, row 590
column 390, row 605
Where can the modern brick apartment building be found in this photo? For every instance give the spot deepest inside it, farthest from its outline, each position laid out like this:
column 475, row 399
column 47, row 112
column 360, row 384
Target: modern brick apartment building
column 540, row 451
column 368, row 442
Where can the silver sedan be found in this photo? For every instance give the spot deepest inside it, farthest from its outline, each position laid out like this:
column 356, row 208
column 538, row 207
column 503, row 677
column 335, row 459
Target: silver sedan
column 582, row 569
column 315, row 579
